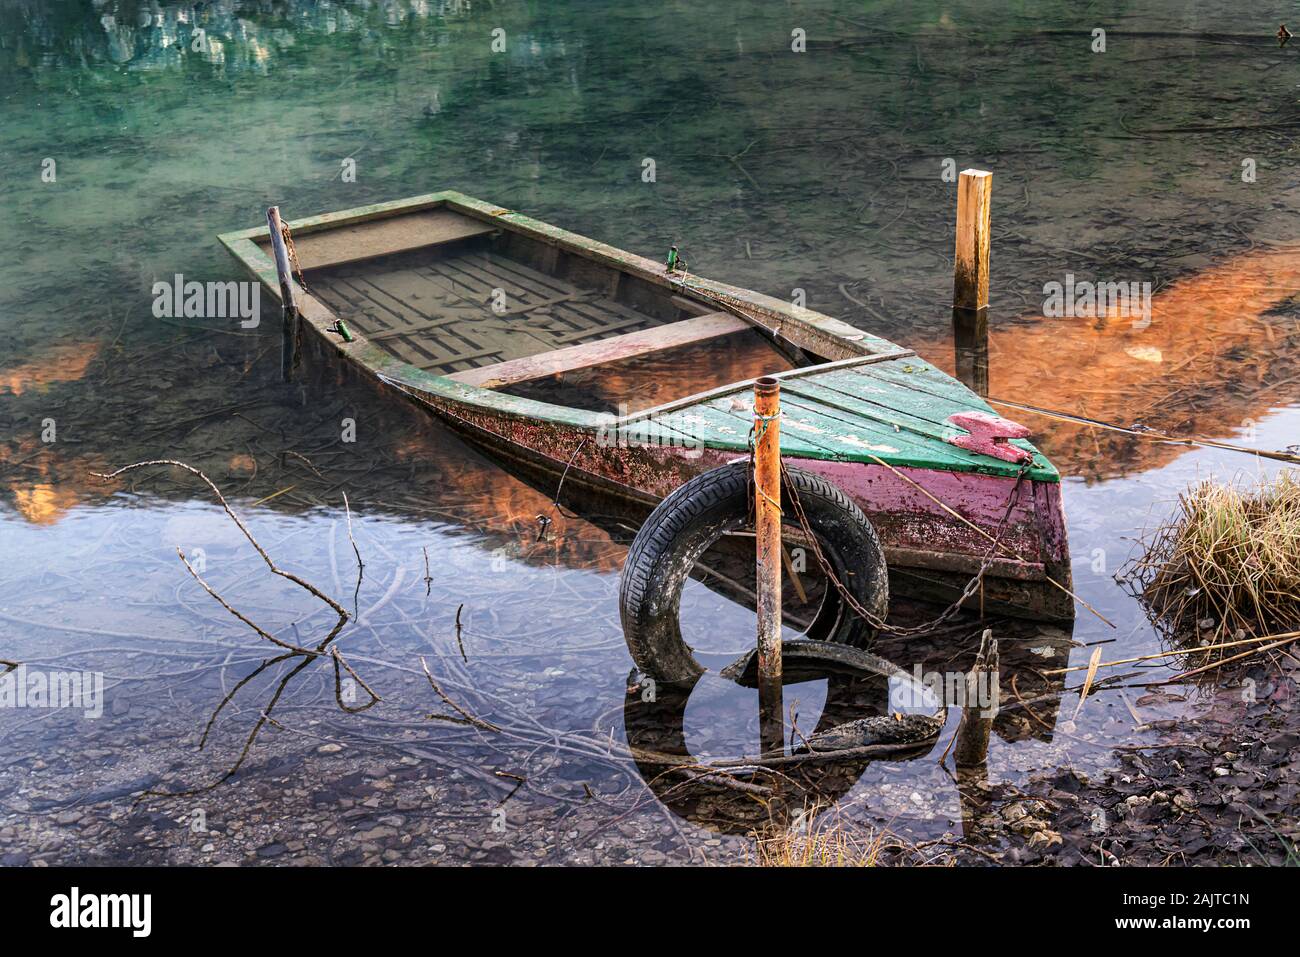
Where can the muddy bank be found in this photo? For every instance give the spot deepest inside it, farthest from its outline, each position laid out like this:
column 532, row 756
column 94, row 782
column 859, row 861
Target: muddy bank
column 1218, row 787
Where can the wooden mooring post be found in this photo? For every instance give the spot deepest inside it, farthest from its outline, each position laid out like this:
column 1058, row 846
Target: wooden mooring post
column 970, row 745
column 970, row 286
column 767, row 533
column 983, row 688
column 289, row 326
column 970, row 345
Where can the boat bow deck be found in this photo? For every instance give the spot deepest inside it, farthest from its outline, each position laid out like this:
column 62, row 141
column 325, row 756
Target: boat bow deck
column 888, row 408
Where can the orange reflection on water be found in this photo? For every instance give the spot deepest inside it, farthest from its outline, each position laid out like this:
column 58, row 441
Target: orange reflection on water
column 38, row 495
column 35, row 478
column 66, row 362
column 43, row 503
column 648, row 381
column 456, row 482
column 1219, row 353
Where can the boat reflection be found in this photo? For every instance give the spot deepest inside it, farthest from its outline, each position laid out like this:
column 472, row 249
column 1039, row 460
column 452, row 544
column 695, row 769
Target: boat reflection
column 739, row 800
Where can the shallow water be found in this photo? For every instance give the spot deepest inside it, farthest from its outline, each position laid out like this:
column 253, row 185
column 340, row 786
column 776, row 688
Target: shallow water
column 774, row 170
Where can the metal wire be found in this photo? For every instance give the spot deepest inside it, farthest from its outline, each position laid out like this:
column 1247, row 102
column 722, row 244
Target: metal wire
column 866, row 615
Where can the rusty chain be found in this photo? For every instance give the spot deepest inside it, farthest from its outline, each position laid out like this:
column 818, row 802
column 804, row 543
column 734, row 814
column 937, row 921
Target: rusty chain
column 293, row 254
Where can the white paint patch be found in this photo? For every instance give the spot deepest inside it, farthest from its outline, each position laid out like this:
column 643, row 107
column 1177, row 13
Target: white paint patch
column 803, row 426
column 854, row 440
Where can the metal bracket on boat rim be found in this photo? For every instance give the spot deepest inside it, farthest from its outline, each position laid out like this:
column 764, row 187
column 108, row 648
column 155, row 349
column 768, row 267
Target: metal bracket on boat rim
column 988, row 434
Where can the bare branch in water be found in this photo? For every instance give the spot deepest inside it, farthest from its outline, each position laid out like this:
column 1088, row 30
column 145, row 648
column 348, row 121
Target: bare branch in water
column 338, row 684
column 361, row 566
column 235, row 518
column 233, row 691
column 476, row 722
column 459, row 641
column 348, row 511
column 292, row 651
column 249, row 622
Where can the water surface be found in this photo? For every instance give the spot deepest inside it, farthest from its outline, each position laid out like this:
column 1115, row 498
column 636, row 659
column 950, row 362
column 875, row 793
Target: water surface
column 776, row 170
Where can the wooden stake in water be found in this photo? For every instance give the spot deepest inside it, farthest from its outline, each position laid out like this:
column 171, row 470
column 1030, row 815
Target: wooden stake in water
column 289, row 334
column 983, row 684
column 767, row 532
column 970, row 283
column 971, row 265
column 970, row 345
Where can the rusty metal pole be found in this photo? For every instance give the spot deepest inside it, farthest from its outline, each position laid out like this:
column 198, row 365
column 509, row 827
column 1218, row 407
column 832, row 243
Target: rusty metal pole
column 767, row 532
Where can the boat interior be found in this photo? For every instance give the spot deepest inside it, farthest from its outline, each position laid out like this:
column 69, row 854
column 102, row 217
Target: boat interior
column 495, row 308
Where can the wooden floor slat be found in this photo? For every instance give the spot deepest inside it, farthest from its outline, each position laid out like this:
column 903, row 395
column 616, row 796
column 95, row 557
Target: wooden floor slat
column 437, row 313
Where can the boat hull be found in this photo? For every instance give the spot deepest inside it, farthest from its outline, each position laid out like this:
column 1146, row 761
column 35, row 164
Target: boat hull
column 932, row 553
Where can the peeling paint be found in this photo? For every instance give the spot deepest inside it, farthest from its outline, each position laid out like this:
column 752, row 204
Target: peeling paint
column 860, row 443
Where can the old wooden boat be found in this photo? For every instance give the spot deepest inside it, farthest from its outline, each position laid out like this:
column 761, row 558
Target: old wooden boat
column 464, row 306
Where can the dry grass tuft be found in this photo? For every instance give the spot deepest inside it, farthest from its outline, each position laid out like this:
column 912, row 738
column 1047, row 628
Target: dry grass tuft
column 828, row 843
column 1227, row 565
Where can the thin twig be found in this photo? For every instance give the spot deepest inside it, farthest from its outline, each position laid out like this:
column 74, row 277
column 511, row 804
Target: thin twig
column 459, row 642
column 296, row 649
column 1176, row 651
column 356, row 551
column 1223, row 661
column 361, row 566
column 477, row 722
column 338, row 683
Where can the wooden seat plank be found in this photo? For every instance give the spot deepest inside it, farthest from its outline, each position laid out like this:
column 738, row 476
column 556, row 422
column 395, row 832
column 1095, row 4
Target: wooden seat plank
column 643, row 342
column 383, row 237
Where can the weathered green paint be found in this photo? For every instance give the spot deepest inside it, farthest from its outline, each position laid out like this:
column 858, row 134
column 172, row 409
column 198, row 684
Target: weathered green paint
column 893, row 410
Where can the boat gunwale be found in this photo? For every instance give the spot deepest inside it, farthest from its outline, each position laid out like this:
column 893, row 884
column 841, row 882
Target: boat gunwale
column 859, row 344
